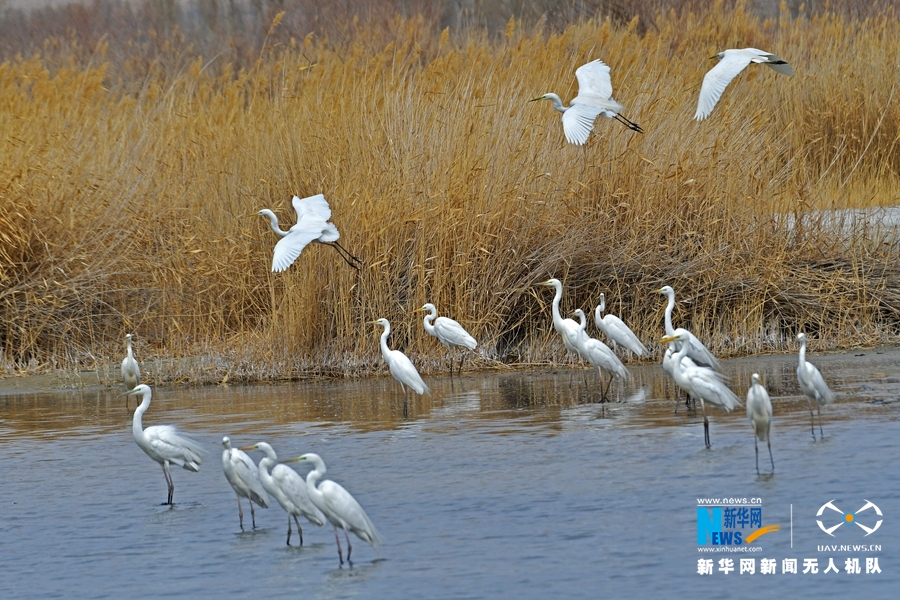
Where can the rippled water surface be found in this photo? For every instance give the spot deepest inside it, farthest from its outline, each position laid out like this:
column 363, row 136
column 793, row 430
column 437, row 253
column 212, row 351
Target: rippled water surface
column 505, row 485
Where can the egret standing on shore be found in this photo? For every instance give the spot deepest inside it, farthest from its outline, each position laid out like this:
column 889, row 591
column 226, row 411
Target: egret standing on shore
column 288, row 488
column 594, row 100
column 312, row 226
column 400, row 366
column 616, row 330
column 733, row 62
column 241, row 473
column 813, row 385
column 131, row 371
column 759, row 411
column 450, row 333
column 163, row 443
column 339, row 506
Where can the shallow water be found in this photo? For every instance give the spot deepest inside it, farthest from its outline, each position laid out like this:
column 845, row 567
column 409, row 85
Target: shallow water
column 497, row 485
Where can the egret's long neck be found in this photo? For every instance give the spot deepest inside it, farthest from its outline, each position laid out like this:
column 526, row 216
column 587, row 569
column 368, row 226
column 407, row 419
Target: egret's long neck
column 273, row 223
column 557, row 103
column 582, row 323
column 137, row 428
column 602, row 306
column 669, row 329
column 676, row 359
column 557, row 319
column 311, row 480
column 264, row 464
column 385, row 351
column 128, row 352
column 431, row 316
column 802, row 353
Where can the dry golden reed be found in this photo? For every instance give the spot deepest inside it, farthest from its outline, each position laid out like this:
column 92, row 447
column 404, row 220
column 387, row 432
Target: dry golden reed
column 129, row 188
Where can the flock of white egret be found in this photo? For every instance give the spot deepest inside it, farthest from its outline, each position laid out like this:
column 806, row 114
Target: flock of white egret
column 690, row 364
column 594, row 98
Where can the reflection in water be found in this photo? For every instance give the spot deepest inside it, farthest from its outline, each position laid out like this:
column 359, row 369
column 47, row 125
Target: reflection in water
column 572, row 495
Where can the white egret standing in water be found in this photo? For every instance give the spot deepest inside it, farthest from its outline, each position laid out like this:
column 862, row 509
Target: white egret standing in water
column 288, row 488
column 616, row 330
column 163, row 443
column 450, row 333
column 813, row 385
column 340, row 508
column 594, row 100
column 312, row 226
column 733, row 62
column 131, row 371
column 400, row 366
column 759, row 411
column 701, row 383
column 599, row 355
column 241, row 473
column 567, row 329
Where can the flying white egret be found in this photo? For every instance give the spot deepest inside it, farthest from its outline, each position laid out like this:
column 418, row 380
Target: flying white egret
column 701, row 383
column 594, row 99
column 288, row 488
column 616, row 330
column 813, row 386
column 163, row 443
column 567, row 329
column 400, row 366
column 340, row 508
column 312, row 226
column 241, row 473
column 759, row 411
column 131, row 371
column 450, row 333
column 599, row 355
column 696, row 350
column 731, row 63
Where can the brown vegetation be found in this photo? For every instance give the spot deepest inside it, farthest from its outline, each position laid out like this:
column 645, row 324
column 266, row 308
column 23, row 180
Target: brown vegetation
column 130, row 181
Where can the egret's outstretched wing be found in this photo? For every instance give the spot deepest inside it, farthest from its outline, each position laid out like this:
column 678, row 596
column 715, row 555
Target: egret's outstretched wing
column 594, row 81
column 290, row 246
column 717, row 79
column 578, row 121
column 315, row 207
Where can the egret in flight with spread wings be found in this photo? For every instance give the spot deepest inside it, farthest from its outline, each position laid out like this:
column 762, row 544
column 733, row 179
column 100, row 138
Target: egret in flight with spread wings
column 312, row 226
column 241, row 473
column 616, row 330
column 340, row 508
column 701, row 383
column 599, row 355
column 400, row 366
column 594, row 99
column 759, row 411
column 731, row 63
column 288, row 488
column 450, row 333
column 163, row 443
column 131, row 371
column 813, row 385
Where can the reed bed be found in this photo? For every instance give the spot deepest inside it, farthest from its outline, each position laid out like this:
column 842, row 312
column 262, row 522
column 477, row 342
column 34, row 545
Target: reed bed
column 129, row 186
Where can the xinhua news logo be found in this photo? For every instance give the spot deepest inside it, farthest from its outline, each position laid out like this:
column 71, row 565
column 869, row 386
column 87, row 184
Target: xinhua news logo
column 730, row 524
column 829, row 522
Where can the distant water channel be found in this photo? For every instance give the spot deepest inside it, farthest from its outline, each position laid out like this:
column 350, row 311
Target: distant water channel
column 498, row 485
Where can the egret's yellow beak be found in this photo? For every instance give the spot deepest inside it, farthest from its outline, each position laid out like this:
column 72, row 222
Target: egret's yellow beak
column 668, row 339
column 247, row 448
column 536, row 99
column 290, row 460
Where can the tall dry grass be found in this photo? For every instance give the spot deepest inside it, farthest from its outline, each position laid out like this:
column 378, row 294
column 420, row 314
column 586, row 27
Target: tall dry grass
column 130, row 185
